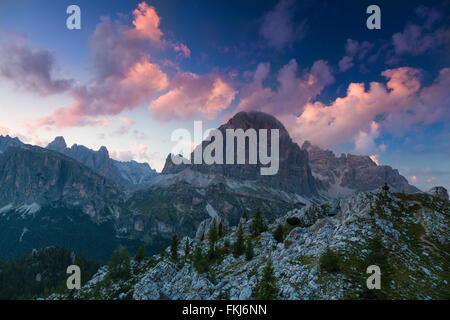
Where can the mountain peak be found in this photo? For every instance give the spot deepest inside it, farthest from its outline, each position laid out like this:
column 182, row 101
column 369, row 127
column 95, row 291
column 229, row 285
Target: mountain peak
column 255, row 120
column 58, row 144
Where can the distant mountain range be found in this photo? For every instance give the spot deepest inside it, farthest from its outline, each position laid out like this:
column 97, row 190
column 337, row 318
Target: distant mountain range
column 103, row 202
column 125, row 173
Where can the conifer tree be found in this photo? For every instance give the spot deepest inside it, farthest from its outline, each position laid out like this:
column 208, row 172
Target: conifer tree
column 278, row 234
column 119, row 264
column 174, row 248
column 249, row 251
column 220, row 233
column 267, row 288
column 258, row 224
column 187, row 249
column 162, row 252
column 140, row 254
column 239, row 244
column 212, row 239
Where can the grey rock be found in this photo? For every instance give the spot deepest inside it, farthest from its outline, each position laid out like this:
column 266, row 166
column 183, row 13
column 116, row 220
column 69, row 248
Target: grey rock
column 348, row 174
column 439, row 192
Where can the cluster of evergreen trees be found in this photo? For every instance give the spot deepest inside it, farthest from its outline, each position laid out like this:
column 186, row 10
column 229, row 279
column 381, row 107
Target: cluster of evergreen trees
column 41, row 273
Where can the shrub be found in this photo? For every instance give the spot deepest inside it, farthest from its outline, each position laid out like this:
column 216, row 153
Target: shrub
column 278, row 234
column 329, row 261
column 293, row 221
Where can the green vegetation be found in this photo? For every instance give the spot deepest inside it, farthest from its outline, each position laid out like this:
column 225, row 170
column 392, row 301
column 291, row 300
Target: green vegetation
column 329, row 261
column 174, row 248
column 278, row 234
column 140, row 254
column 187, row 249
column 239, row 247
column 293, row 221
column 249, row 251
column 119, row 265
column 258, row 225
column 40, row 273
column 267, row 288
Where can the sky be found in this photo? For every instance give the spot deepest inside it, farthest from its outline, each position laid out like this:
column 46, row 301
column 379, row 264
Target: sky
column 138, row 70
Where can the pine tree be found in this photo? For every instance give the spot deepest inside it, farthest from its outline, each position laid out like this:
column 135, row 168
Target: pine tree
column 198, row 254
column 187, row 249
column 244, row 216
column 119, row 264
column 162, row 252
column 174, row 248
column 278, row 234
column 249, row 251
column 239, row 248
column 140, row 254
column 125, row 263
column 385, row 188
column 267, row 288
column 220, row 230
column 258, row 224
column 212, row 239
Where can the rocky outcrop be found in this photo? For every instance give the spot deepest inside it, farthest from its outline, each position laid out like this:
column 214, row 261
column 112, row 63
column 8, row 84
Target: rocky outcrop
column 439, row 191
column 125, row 173
column 205, row 227
column 348, row 174
column 294, row 174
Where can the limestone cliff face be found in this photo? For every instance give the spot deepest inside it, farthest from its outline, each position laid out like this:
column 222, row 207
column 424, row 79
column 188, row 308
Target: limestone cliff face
column 294, row 174
column 33, row 175
column 347, row 174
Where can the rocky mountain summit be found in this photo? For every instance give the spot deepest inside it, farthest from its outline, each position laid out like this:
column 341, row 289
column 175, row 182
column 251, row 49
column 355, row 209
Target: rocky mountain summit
column 440, row 192
column 125, row 173
column 294, row 174
column 350, row 174
column 7, row 141
column 321, row 252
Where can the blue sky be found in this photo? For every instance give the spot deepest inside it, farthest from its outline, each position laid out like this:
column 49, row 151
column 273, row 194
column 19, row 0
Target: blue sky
column 138, row 70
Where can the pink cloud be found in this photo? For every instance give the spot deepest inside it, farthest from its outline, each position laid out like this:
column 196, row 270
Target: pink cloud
column 127, row 120
column 193, row 95
column 140, row 84
column 183, row 49
column 292, row 93
column 126, row 77
column 374, row 158
column 402, row 100
column 146, row 22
